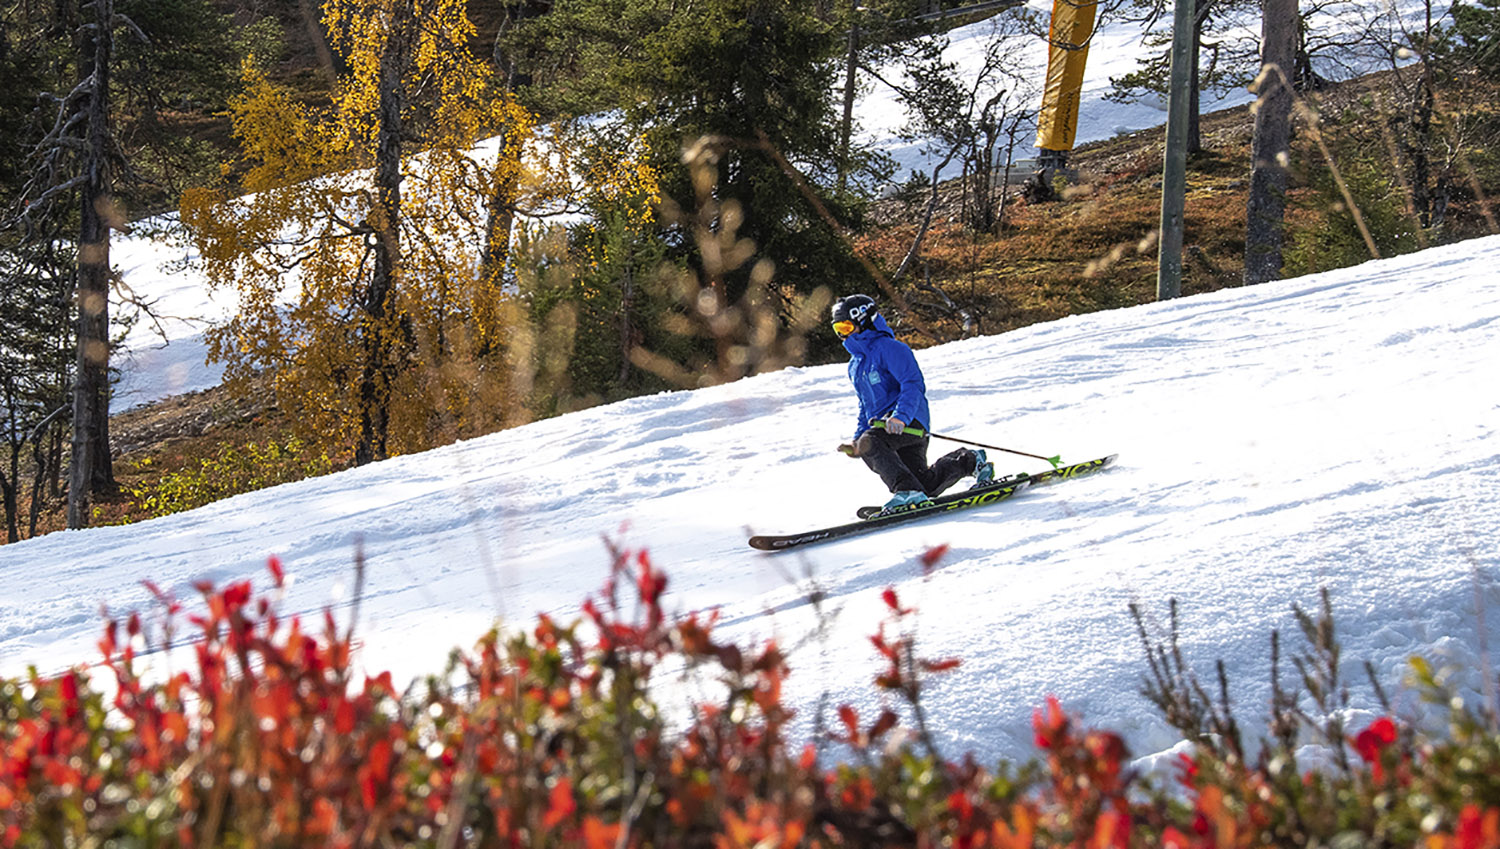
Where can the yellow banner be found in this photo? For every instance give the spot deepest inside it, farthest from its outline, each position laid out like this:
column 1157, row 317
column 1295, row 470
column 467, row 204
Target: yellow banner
column 1072, row 27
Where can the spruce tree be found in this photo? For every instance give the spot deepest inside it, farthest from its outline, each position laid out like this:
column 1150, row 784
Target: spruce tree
column 749, row 85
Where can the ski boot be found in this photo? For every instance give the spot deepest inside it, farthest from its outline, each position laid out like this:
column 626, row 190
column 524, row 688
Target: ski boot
column 984, row 471
column 901, row 502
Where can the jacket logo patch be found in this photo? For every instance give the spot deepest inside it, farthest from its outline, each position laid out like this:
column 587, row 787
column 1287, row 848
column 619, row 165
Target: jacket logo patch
column 874, row 377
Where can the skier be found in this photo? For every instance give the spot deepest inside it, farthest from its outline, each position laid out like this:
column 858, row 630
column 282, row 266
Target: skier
column 891, row 434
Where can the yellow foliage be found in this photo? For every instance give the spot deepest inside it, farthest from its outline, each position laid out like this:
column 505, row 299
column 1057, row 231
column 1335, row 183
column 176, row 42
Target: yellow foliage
column 623, row 189
column 300, row 250
column 281, row 143
column 626, row 176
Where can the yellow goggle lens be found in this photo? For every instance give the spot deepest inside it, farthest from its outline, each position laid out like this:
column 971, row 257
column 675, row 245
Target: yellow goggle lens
column 843, row 328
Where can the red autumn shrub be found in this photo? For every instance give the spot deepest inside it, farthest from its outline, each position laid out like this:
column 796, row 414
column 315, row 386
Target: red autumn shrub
column 551, row 737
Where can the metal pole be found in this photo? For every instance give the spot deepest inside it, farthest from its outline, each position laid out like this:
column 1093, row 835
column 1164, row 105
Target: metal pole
column 1174, row 160
column 879, row 424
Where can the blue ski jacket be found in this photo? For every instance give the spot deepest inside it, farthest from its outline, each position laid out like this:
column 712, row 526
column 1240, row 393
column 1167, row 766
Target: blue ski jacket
column 886, row 377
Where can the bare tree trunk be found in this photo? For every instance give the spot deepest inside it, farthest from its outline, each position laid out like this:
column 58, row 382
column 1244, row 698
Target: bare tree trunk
column 512, row 75
column 982, row 182
column 1416, row 148
column 55, row 464
column 376, row 375
column 501, row 214
column 627, row 330
column 846, row 124
column 988, row 132
column 1266, row 207
column 1194, row 133
column 36, row 497
column 91, row 471
column 10, row 479
column 1417, row 136
column 1012, row 136
column 922, row 226
column 44, row 465
column 38, row 481
column 10, row 487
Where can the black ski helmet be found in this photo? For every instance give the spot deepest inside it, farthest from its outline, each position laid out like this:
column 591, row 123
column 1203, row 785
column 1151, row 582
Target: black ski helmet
column 858, row 310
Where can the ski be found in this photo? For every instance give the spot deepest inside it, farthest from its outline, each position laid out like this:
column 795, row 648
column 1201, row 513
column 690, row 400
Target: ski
column 997, row 491
column 1061, row 473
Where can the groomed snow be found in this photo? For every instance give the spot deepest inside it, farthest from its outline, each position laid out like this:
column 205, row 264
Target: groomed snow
column 1330, row 431
column 1335, row 431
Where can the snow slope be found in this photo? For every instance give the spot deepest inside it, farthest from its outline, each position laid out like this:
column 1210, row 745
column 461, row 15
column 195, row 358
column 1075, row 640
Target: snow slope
column 1335, row 431
column 1332, row 431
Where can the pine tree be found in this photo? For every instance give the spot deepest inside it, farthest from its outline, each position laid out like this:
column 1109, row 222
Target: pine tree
column 617, row 258
column 1476, row 30
column 747, row 84
column 1219, row 60
column 95, row 151
column 755, row 79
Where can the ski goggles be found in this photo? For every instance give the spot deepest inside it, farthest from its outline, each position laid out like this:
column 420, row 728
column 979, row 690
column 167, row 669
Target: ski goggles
column 844, row 328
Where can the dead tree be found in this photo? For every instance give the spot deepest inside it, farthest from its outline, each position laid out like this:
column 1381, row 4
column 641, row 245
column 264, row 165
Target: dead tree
column 76, row 163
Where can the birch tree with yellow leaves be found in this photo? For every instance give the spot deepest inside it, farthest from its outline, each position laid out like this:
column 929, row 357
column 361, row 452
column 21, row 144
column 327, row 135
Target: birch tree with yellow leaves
column 369, row 250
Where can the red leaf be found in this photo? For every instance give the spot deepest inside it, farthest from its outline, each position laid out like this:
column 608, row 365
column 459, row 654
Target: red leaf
column 156, row 591
column 109, row 643
column 1111, row 831
column 931, row 556
column 379, row 760
column 884, row 723
column 163, row 598
column 560, row 804
column 591, row 610
column 1187, row 771
column 273, row 563
column 367, row 788
column 850, row 720
column 1051, row 723
column 343, row 718
column 890, row 599
column 598, row 835
column 959, row 804
column 1371, row 741
column 68, row 685
column 236, row 595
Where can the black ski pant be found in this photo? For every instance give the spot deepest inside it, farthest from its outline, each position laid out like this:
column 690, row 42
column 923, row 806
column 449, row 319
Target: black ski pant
column 901, row 462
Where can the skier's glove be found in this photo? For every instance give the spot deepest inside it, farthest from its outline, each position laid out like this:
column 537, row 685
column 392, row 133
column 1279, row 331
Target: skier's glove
column 850, row 450
column 894, row 426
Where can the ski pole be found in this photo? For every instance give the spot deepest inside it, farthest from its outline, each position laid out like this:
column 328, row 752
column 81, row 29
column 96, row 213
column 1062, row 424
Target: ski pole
column 1055, row 461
